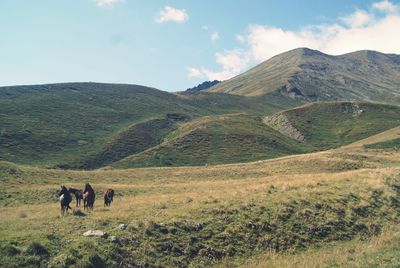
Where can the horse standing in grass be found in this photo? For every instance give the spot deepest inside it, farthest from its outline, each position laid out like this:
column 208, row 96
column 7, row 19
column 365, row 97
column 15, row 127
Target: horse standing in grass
column 65, row 199
column 88, row 197
column 78, row 195
column 108, row 197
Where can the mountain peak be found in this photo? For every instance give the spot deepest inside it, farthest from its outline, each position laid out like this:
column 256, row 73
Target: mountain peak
column 302, row 51
column 311, row 75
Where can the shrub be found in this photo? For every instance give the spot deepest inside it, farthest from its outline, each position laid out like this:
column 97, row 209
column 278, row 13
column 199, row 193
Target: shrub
column 37, row 249
column 10, row 250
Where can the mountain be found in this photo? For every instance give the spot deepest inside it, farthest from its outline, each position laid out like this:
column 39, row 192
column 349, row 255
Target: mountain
column 91, row 124
column 311, row 75
column 263, row 113
column 242, row 138
column 203, row 86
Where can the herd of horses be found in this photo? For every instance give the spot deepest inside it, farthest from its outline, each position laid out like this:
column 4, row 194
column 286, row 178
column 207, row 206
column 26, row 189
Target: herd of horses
column 88, row 196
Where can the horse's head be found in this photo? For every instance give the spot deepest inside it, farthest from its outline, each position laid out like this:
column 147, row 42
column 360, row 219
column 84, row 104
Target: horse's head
column 87, row 187
column 63, row 190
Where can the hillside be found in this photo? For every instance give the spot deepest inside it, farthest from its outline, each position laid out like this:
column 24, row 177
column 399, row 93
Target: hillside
column 215, row 140
column 242, row 138
column 87, row 124
column 311, row 75
column 335, row 208
column 327, row 125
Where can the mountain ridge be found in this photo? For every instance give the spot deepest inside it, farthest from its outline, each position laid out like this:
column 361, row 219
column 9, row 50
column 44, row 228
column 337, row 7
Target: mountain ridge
column 313, row 76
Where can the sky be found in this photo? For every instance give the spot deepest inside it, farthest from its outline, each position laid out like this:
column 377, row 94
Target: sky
column 174, row 45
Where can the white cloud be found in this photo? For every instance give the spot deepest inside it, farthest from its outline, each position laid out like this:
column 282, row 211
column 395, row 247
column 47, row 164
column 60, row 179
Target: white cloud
column 214, row 36
column 107, row 3
column 359, row 18
column 205, row 27
column 232, row 63
column 240, row 38
column 193, row 72
column 170, row 14
column 385, row 6
column 357, row 31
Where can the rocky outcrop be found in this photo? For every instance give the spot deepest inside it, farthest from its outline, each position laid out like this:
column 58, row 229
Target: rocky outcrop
column 282, row 124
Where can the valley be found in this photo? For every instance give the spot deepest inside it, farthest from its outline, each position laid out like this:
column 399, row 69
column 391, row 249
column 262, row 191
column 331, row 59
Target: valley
column 294, row 161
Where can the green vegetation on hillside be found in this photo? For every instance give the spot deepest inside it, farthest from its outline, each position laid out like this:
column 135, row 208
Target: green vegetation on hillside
column 390, row 144
column 77, row 124
column 333, row 124
column 215, row 140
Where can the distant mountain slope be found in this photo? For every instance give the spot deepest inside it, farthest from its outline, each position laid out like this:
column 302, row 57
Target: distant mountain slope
column 243, row 138
column 77, row 124
column 312, row 76
column 388, row 135
column 215, row 140
column 203, row 86
column 327, row 125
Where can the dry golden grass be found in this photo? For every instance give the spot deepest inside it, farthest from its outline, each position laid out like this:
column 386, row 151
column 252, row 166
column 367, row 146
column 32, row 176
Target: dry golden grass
column 167, row 194
column 339, row 254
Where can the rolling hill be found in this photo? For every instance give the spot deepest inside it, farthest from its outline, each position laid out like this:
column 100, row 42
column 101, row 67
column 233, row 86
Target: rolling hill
column 215, row 140
column 90, row 124
column 250, row 117
column 327, row 125
column 242, row 138
column 311, row 75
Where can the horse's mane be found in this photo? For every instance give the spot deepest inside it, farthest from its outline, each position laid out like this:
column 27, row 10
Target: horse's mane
column 88, row 188
column 63, row 190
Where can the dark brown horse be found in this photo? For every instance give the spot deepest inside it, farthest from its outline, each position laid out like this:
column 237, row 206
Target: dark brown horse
column 65, row 199
column 88, row 197
column 78, row 195
column 108, row 197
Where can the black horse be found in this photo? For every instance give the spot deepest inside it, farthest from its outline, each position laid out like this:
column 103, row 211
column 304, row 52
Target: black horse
column 65, row 199
column 108, row 197
column 78, row 195
column 88, row 197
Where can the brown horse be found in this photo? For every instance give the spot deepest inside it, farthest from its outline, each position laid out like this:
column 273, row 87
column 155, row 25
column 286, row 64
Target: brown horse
column 65, row 199
column 78, row 195
column 89, row 197
column 108, row 197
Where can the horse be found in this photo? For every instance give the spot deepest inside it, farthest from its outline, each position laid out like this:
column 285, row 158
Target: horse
column 88, row 197
column 78, row 195
column 108, row 197
column 65, row 199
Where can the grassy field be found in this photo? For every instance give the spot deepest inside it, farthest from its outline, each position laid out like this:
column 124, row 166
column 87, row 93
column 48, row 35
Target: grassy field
column 340, row 207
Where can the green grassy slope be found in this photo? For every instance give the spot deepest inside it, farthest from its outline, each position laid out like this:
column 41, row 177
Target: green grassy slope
column 80, row 123
column 134, row 139
column 217, row 139
column 333, row 124
column 311, row 75
column 242, row 138
column 390, row 144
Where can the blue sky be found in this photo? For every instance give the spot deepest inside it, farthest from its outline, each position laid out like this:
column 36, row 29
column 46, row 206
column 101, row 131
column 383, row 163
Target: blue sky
column 173, row 45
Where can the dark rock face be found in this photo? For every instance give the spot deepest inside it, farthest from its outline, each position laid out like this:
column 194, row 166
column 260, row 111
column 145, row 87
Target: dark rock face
column 203, row 86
